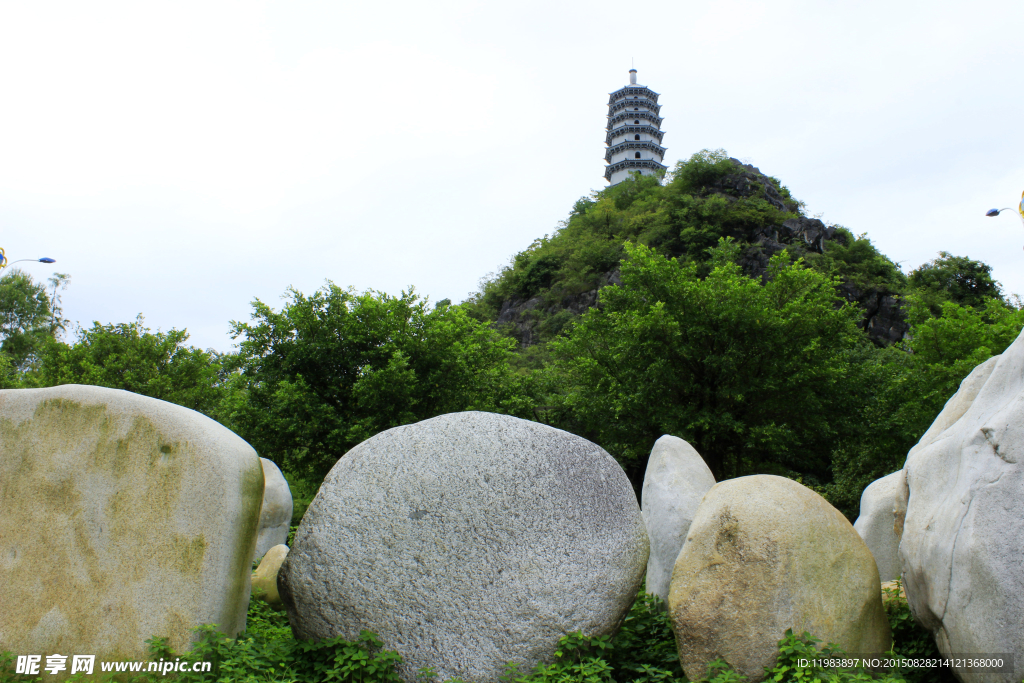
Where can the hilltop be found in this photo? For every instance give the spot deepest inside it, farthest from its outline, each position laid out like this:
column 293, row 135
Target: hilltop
column 706, row 198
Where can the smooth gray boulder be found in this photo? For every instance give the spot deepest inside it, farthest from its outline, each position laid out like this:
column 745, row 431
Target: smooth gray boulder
column 674, row 483
column 465, row 542
column 877, row 523
column 276, row 512
column 121, row 518
column 964, row 527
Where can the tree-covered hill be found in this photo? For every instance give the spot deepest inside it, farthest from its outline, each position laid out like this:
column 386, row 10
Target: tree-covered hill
column 708, row 306
column 706, row 198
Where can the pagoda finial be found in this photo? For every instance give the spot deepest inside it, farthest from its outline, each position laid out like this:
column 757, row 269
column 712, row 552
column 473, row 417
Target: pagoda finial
column 632, row 76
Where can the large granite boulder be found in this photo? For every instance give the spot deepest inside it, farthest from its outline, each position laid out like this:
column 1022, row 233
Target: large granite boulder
column 878, row 524
column 276, row 513
column 765, row 554
column 964, row 527
column 121, row 518
column 674, row 483
column 465, row 542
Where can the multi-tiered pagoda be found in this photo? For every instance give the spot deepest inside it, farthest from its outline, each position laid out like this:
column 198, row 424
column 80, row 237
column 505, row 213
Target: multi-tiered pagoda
column 634, row 132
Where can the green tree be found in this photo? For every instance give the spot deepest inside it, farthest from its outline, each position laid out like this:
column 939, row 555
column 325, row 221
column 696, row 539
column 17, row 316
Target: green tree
column 27, row 317
column 900, row 390
column 332, row 369
column 954, row 278
column 130, row 356
column 750, row 374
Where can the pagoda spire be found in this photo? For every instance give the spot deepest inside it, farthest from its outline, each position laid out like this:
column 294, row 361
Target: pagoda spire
column 633, row 133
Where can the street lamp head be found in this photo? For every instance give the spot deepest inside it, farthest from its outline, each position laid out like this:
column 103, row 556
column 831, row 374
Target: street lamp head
column 47, row 260
column 992, row 212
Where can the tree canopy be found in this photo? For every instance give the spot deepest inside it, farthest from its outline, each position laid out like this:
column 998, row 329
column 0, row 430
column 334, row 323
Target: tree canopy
column 130, row 356
column 334, row 368
column 747, row 373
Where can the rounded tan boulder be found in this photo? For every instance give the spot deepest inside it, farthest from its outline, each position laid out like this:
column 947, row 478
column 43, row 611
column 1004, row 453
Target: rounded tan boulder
column 264, row 579
column 122, row 518
column 765, row 554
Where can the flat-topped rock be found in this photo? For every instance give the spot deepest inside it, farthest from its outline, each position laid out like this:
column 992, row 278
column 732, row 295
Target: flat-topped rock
column 123, row 518
column 465, row 542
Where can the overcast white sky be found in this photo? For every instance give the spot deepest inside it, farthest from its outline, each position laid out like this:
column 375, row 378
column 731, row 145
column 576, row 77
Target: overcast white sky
column 179, row 159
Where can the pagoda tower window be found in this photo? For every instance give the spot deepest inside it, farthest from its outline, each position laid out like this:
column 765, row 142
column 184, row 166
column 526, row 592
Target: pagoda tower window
column 636, row 137
column 638, row 155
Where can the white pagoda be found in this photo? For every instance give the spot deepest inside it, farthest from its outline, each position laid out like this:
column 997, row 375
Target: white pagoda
column 634, row 132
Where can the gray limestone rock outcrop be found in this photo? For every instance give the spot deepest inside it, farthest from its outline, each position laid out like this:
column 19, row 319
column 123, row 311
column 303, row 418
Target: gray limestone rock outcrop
column 765, row 554
column 879, row 525
column 276, row 512
column 467, row 541
column 964, row 527
column 674, row 483
column 123, row 518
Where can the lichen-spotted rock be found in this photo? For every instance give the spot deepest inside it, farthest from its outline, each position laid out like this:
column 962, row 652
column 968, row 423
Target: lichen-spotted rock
column 465, row 542
column 121, row 518
column 765, row 554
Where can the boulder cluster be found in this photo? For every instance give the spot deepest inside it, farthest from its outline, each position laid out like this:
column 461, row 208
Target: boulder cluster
column 471, row 540
column 951, row 522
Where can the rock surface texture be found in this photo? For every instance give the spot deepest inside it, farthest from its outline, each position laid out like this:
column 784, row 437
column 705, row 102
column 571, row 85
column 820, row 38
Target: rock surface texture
column 264, row 579
column 465, row 542
column 765, row 554
column 276, row 513
column 123, row 518
column 878, row 524
column 964, row 528
column 674, row 483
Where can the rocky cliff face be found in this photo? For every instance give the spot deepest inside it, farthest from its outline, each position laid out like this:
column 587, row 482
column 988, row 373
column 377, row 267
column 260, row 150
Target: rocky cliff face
column 884, row 321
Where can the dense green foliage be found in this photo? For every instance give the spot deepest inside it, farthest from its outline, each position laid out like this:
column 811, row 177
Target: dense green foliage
column 330, row 370
column 957, row 279
column 130, row 356
column 900, row 390
column 29, row 318
column 741, row 370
